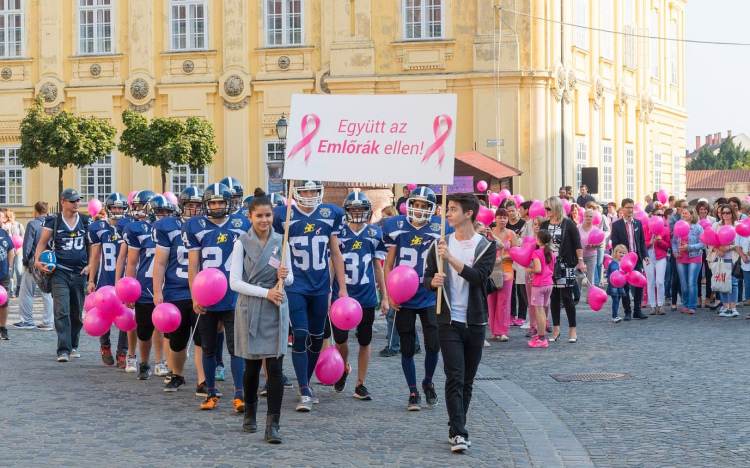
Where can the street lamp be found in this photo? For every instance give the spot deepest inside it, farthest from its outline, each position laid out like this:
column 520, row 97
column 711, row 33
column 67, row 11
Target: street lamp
column 281, row 127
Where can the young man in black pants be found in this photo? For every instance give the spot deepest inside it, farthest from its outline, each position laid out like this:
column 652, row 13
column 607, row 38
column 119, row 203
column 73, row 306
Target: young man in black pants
column 468, row 259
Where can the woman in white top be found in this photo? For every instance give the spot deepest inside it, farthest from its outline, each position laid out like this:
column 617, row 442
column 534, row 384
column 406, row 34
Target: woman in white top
column 729, row 254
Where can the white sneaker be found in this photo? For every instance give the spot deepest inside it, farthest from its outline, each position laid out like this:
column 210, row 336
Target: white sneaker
column 62, row 358
column 468, row 442
column 305, row 404
column 161, row 369
column 725, row 313
column 735, row 313
column 526, row 325
column 617, row 320
column 486, row 344
column 458, row 444
column 131, row 366
column 74, row 353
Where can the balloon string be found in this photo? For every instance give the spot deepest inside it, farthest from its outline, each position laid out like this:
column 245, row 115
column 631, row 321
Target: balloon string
column 191, row 335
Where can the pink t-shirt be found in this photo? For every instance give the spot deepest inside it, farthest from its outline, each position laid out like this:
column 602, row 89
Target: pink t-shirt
column 545, row 277
column 685, row 256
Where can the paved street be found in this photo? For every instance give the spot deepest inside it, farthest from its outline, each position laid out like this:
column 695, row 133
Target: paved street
column 684, row 405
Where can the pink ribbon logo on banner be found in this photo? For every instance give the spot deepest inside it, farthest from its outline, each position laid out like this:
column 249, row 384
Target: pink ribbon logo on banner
column 437, row 147
column 307, row 136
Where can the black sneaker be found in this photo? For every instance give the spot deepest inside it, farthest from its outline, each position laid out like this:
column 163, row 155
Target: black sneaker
column 429, row 395
column 458, row 444
column 415, row 402
column 287, row 383
column 168, row 378
column 175, row 382
column 264, row 392
column 4, row 333
column 387, row 352
column 361, row 393
column 144, row 371
column 340, row 386
column 200, row 390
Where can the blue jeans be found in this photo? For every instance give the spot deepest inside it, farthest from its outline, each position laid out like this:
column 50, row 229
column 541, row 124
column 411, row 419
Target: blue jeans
column 668, row 279
column 68, row 288
column 393, row 341
column 731, row 296
column 746, row 279
column 688, row 273
column 598, row 270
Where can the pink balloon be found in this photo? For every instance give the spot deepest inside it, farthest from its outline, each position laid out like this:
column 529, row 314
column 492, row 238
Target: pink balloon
column 125, row 319
column 641, row 216
column 171, row 197
column 107, row 302
column 128, row 289
column 597, row 219
column 618, row 278
column 96, row 323
column 597, row 298
column 566, row 206
column 504, row 193
column 636, row 278
column 726, row 235
column 88, row 303
column 709, row 237
column 131, row 195
column 537, row 209
column 412, row 186
column 704, row 223
column 743, row 229
column 628, row 262
column 518, row 199
column 402, row 208
column 529, row 240
column 330, row 366
column 167, row 317
column 522, row 255
column 485, row 215
column 95, row 206
column 346, row 313
column 596, row 236
column 656, row 225
column 3, row 295
column 638, row 207
column 402, row 284
column 17, row 242
column 209, row 287
column 606, row 261
column 481, row 186
column 495, row 199
column 747, row 198
column 681, row 229
column 662, row 196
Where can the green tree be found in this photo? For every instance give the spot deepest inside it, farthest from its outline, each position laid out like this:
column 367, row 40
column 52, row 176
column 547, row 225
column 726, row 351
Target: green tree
column 63, row 140
column 729, row 156
column 166, row 142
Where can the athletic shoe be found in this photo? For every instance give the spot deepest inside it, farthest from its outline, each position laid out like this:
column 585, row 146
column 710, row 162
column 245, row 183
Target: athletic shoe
column 4, row 333
column 548, row 329
column 239, row 405
column 526, row 325
column 131, row 366
column 107, row 358
column 361, row 393
column 340, row 386
column 174, row 383
column 221, row 372
column 144, row 371
column 617, row 320
column 74, row 353
column 305, row 404
column 45, row 327
column 458, row 444
column 531, row 333
column 468, row 442
column 210, row 403
column 429, row 395
column 537, row 343
column 121, row 360
column 264, row 392
column 734, row 313
column 415, row 402
column 201, row 391
column 62, row 358
column 518, row 322
column 387, row 352
column 486, row 344
column 24, row 325
column 161, row 369
column 287, row 383
column 725, row 313
column 169, row 377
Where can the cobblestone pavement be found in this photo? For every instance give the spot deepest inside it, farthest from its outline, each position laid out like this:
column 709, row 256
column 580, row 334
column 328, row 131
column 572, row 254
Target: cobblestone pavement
column 684, row 405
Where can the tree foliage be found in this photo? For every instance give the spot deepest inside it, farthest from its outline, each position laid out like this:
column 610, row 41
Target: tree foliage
column 729, row 156
column 166, row 142
column 63, row 140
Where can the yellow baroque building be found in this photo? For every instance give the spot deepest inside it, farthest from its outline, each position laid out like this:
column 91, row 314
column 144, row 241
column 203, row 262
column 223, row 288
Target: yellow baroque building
column 546, row 98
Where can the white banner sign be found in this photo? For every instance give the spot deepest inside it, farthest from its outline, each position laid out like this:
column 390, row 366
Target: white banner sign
column 375, row 139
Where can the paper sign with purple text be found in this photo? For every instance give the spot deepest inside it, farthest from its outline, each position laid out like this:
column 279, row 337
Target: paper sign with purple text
column 373, row 139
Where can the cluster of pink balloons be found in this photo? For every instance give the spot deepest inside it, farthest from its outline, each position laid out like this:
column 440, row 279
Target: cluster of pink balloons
column 107, row 306
column 402, row 283
column 497, row 198
column 346, row 313
column 627, row 273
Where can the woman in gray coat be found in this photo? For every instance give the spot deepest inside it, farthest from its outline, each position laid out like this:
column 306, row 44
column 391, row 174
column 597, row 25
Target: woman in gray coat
column 261, row 317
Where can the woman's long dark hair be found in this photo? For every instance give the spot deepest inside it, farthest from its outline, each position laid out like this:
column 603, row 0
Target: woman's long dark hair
column 546, row 238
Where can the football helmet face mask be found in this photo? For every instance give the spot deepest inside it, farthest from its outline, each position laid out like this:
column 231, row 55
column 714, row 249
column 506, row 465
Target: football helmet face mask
column 191, row 202
column 116, row 206
column 358, row 208
column 421, row 215
column 277, row 200
column 140, row 208
column 214, row 195
column 237, row 192
column 161, row 207
column 301, row 192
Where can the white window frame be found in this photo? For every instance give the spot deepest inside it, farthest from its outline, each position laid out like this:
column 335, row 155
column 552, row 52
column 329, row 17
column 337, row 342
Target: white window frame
column 608, row 172
column 630, row 28
column 100, row 190
column 630, row 172
column 16, row 199
column 673, row 72
column 17, row 15
column 287, row 32
column 191, row 178
column 654, row 44
column 581, row 21
column 657, row 171
column 191, row 36
column 676, row 189
column 99, row 39
column 425, row 7
column 582, row 159
column 607, row 39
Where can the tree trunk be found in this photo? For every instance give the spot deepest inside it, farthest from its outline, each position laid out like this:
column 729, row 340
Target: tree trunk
column 59, row 183
column 163, row 181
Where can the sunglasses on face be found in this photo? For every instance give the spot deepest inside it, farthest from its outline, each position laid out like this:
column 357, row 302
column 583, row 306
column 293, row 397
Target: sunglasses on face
column 547, row 208
column 659, row 215
column 726, row 212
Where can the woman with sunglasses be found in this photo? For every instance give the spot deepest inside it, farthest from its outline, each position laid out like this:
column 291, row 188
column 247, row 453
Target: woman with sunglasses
column 688, row 255
column 657, row 245
column 704, row 212
column 728, row 254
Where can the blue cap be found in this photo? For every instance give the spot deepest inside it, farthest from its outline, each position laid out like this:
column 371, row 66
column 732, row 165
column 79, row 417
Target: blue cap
column 70, row 195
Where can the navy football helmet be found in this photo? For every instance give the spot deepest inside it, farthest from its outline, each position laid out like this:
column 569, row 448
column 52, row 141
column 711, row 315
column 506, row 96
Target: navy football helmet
column 217, row 192
column 139, row 204
column 421, row 194
column 237, row 191
column 305, row 185
column 191, row 195
column 116, row 200
column 358, row 208
column 161, row 206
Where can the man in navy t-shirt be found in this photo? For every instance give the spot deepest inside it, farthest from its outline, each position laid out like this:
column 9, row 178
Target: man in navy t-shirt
column 67, row 233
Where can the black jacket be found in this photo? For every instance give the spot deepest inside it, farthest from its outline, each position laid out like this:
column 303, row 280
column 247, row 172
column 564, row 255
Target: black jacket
column 571, row 242
column 476, row 275
column 620, row 236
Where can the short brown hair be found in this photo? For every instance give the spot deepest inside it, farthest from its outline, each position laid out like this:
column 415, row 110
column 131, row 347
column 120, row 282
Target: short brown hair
column 41, row 207
column 680, row 202
column 625, row 201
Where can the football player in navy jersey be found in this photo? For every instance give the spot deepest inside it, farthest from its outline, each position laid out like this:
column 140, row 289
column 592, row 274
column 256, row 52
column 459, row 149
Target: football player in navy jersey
column 210, row 240
column 362, row 248
column 313, row 239
column 105, row 246
column 408, row 239
column 171, row 282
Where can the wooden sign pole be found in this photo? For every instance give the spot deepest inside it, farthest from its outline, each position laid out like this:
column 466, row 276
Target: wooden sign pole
column 286, row 230
column 442, row 237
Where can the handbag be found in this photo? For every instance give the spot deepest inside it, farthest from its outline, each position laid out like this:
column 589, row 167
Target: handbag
column 737, row 269
column 561, row 274
column 721, row 276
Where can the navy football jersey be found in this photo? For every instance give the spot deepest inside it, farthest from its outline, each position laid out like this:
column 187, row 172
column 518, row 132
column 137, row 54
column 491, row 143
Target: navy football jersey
column 359, row 250
column 167, row 234
column 138, row 237
column 120, row 227
column 412, row 245
column 101, row 233
column 70, row 242
column 215, row 243
column 308, row 243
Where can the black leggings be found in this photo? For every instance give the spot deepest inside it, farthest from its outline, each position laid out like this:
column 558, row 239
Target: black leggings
column 566, row 296
column 705, row 273
column 251, row 378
